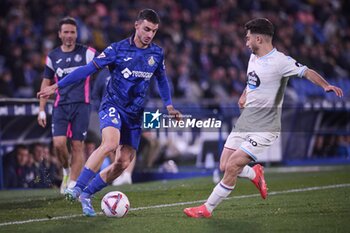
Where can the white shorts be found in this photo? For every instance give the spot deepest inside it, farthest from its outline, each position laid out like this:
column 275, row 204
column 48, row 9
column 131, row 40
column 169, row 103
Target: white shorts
column 253, row 143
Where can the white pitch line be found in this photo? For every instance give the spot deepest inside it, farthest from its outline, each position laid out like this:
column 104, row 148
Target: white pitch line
column 182, row 203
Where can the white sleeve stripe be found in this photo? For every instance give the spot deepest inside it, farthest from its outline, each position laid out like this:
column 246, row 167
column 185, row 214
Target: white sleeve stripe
column 89, row 55
column 49, row 63
column 301, row 73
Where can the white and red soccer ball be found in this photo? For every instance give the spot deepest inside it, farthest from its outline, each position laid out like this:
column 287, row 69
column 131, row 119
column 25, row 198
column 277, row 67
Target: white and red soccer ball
column 115, row 204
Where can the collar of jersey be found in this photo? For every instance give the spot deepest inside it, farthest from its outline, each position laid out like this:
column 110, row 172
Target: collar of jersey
column 266, row 55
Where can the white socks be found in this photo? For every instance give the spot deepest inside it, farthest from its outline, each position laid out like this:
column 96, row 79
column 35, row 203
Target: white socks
column 220, row 192
column 247, row 172
column 66, row 171
column 71, row 184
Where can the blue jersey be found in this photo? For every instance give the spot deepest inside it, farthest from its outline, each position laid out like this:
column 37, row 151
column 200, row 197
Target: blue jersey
column 59, row 64
column 131, row 71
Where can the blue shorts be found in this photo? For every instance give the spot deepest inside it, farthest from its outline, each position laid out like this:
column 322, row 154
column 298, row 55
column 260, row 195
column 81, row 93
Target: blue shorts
column 71, row 120
column 130, row 128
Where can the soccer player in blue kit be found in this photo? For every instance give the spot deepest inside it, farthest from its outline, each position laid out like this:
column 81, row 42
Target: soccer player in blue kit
column 72, row 103
column 132, row 63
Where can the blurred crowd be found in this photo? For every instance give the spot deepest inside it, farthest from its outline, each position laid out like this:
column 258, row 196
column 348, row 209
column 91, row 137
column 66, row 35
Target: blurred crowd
column 33, row 166
column 328, row 146
column 204, row 41
column 37, row 166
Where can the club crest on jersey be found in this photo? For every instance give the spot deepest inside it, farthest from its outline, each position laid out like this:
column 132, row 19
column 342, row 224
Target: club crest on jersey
column 253, row 80
column 77, row 58
column 151, row 61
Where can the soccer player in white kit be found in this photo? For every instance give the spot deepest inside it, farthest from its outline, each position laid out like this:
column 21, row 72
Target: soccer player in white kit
column 259, row 124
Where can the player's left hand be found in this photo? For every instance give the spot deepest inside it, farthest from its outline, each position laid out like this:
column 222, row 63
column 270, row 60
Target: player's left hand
column 174, row 113
column 47, row 92
column 338, row 91
column 42, row 119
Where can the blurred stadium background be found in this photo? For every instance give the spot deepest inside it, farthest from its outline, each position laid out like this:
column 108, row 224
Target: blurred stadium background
column 206, row 61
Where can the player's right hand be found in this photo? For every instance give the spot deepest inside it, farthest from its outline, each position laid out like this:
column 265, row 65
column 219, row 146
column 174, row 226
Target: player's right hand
column 42, row 119
column 338, row 91
column 47, row 91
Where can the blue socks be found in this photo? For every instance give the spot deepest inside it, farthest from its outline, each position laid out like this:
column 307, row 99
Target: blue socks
column 84, row 178
column 95, row 185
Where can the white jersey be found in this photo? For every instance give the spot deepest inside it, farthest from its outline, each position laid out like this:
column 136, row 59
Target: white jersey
column 267, row 80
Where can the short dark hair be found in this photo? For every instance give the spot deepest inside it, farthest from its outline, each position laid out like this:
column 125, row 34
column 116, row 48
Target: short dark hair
column 67, row 20
column 149, row 15
column 260, row 26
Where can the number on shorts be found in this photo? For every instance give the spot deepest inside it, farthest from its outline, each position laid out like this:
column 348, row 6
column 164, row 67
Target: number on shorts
column 111, row 112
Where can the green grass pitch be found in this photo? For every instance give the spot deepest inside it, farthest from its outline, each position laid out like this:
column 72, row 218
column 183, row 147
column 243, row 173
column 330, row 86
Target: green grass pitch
column 304, row 201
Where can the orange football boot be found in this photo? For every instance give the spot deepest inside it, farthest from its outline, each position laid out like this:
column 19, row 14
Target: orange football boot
column 259, row 180
column 198, row 212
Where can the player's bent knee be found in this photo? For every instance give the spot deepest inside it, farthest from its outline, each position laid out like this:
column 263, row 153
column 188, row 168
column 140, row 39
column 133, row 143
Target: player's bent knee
column 108, row 148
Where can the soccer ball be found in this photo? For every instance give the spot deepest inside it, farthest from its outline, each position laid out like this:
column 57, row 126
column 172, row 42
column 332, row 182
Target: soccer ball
column 115, row 204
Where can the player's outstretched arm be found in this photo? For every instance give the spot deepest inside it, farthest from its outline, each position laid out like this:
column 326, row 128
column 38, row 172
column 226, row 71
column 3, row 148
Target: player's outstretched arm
column 47, row 92
column 317, row 79
column 77, row 75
